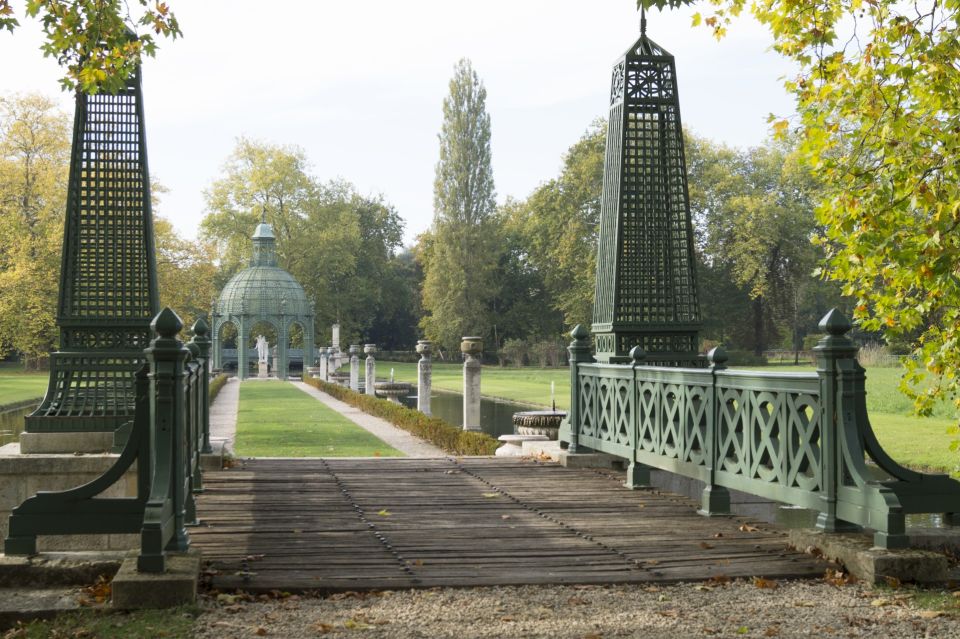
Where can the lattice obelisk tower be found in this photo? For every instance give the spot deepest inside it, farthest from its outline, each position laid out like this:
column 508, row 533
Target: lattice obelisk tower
column 108, row 276
column 646, row 292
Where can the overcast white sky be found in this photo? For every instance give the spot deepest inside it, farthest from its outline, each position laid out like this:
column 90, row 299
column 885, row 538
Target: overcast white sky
column 359, row 86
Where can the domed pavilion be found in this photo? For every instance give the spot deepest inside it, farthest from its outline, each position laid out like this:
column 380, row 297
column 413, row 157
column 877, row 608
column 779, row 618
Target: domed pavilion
column 263, row 292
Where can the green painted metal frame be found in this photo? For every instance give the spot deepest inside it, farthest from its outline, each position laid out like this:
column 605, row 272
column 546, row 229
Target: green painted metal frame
column 108, row 276
column 646, row 286
column 800, row 438
column 166, row 437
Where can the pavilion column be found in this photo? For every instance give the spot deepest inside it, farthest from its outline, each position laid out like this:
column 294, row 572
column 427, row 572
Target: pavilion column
column 424, row 376
column 282, row 350
column 309, row 356
column 243, row 334
column 472, row 347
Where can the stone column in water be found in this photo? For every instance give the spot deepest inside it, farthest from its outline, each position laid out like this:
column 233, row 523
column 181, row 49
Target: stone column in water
column 424, row 376
column 472, row 347
column 355, row 368
column 370, row 375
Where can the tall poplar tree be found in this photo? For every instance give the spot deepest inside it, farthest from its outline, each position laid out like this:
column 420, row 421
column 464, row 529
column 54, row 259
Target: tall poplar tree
column 457, row 254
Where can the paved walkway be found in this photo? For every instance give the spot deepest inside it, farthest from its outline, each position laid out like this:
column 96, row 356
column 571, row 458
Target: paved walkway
column 223, row 421
column 403, row 441
column 223, row 415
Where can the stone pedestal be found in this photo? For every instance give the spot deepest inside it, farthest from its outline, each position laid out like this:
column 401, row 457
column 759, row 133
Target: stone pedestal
column 370, row 374
column 263, row 370
column 355, row 368
column 513, row 444
column 324, row 363
column 472, row 347
column 424, row 376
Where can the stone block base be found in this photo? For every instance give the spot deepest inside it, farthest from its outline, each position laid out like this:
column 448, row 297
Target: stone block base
column 65, row 443
column 175, row 587
column 22, row 476
column 58, row 569
column 589, row 460
column 871, row 564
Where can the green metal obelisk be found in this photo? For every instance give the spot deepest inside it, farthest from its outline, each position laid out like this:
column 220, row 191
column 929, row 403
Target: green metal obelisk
column 646, row 292
column 108, row 279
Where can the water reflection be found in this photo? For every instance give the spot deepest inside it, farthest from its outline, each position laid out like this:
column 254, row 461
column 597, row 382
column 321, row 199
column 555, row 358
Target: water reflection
column 11, row 424
column 496, row 416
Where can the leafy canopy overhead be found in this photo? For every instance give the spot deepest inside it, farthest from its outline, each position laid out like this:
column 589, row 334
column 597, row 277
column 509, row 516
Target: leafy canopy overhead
column 91, row 38
column 878, row 114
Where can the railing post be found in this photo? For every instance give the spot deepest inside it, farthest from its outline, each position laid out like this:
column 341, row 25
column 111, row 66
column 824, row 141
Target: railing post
column 191, row 397
column 165, row 515
column 579, row 350
column 831, row 348
column 638, row 475
column 200, row 330
column 715, row 499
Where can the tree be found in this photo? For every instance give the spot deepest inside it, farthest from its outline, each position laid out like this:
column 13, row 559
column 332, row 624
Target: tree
column 186, row 272
column 34, row 160
column 457, row 253
column 878, row 100
column 336, row 242
column 559, row 223
column 91, row 38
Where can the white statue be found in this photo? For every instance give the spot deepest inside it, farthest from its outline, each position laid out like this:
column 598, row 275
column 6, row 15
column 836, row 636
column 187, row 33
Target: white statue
column 263, row 349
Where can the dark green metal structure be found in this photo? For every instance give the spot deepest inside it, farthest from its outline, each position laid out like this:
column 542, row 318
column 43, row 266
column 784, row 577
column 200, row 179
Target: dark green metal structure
column 646, row 291
column 263, row 292
column 799, row 438
column 108, row 276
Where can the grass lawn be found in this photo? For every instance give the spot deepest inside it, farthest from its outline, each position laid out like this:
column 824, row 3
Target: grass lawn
column 913, row 441
column 17, row 386
column 277, row 419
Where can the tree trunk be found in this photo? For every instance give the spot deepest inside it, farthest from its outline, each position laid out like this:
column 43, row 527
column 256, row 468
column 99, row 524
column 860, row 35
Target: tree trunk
column 759, row 338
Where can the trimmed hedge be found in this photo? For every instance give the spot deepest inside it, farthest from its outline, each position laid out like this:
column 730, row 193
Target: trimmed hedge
column 216, row 384
column 432, row 429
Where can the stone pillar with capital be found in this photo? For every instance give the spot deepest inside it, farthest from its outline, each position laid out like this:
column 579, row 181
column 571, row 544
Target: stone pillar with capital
column 370, row 374
column 324, row 362
column 424, row 375
column 472, row 347
column 355, row 368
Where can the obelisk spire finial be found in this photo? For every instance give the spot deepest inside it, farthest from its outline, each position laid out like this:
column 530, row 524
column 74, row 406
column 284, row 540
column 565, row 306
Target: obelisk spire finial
column 643, row 21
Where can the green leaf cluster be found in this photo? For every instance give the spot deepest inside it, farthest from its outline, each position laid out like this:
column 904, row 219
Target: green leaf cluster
column 877, row 93
column 94, row 39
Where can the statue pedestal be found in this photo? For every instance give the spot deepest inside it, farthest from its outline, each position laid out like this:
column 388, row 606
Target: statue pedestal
column 262, row 370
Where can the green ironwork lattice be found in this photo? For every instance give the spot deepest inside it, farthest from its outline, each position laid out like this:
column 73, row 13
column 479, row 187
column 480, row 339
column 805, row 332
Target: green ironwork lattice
column 646, row 291
column 108, row 283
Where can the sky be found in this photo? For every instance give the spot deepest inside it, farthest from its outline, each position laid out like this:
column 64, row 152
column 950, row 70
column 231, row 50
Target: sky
column 359, row 86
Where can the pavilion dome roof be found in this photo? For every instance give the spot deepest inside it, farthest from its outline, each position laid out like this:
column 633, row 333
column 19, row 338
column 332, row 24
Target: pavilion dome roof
column 263, row 289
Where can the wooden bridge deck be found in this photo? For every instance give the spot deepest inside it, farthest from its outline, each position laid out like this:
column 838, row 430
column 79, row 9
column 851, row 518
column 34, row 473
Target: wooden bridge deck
column 349, row 524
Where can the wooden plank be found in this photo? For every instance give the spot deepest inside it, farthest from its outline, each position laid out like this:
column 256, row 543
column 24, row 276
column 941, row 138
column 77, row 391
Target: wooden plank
column 403, row 523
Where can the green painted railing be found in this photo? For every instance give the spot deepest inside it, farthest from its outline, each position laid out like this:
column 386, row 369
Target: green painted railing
column 799, row 438
column 169, row 431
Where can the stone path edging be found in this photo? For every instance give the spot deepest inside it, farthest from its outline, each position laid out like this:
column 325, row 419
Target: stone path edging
column 223, row 415
column 403, row 441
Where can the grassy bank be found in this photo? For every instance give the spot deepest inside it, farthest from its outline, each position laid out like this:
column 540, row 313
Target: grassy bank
column 17, row 386
column 914, row 441
column 278, row 420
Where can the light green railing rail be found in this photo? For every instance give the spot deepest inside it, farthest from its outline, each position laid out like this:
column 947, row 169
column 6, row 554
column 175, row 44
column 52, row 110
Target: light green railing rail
column 799, row 438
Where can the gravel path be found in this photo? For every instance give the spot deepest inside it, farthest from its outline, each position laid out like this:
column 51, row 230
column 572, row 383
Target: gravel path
column 223, row 414
column 741, row 609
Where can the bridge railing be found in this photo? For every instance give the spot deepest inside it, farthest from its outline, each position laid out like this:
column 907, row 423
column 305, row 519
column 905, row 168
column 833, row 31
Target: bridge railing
column 800, row 438
column 167, row 436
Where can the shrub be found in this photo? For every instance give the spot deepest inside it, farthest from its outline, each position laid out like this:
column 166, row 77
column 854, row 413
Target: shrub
column 216, row 384
column 877, row 356
column 432, row 429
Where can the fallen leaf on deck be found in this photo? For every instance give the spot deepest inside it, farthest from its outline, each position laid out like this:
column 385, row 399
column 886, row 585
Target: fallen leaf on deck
column 768, row 584
column 705, row 545
column 504, row 516
column 489, row 495
column 748, row 528
column 931, row 614
column 384, row 513
column 879, row 603
column 260, row 632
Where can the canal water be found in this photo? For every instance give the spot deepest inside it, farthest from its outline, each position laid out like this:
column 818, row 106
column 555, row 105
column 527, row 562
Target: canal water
column 496, row 416
column 11, row 423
